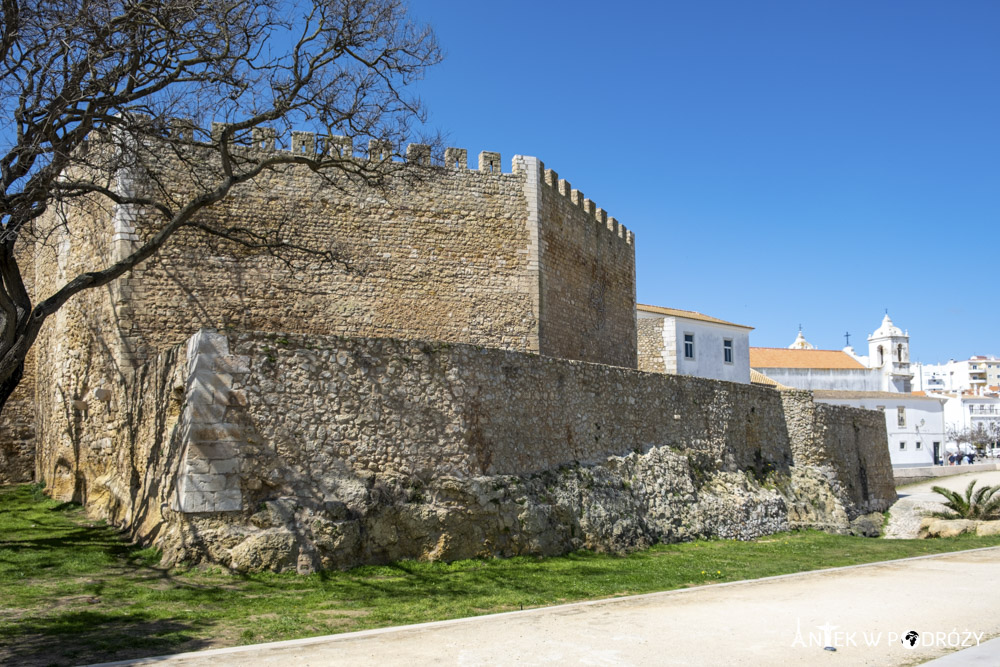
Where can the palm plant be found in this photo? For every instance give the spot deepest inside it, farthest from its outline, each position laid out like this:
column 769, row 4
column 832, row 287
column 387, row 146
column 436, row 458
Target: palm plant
column 981, row 503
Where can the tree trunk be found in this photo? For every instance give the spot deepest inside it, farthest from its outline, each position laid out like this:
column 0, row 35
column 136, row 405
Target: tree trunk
column 8, row 386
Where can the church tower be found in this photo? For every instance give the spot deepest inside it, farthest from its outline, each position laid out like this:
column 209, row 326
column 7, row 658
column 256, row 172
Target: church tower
column 801, row 343
column 889, row 353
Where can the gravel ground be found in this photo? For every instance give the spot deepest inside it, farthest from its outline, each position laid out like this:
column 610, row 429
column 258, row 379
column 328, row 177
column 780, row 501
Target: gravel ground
column 917, row 500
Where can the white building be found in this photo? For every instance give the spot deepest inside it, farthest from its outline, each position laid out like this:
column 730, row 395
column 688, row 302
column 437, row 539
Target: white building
column 968, row 412
column 915, row 424
column 684, row 342
column 809, row 368
column 978, row 375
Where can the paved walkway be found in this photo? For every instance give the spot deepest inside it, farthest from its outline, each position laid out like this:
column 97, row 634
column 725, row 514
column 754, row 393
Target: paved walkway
column 915, row 500
column 863, row 612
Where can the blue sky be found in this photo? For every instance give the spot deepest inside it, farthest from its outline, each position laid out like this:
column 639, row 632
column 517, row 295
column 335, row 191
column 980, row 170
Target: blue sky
column 780, row 162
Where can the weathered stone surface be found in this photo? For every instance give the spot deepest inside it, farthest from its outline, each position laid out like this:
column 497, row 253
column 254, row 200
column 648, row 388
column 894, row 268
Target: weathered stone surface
column 946, row 527
column 270, row 550
column 986, row 528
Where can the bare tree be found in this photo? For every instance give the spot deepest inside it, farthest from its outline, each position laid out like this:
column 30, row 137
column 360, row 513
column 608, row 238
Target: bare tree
column 92, row 88
column 981, row 436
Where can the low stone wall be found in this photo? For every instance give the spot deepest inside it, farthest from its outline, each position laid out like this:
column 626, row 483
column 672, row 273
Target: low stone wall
column 918, row 474
column 304, row 452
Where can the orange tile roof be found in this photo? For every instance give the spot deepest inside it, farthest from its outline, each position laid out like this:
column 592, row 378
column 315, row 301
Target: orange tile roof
column 689, row 314
column 780, row 357
column 756, row 377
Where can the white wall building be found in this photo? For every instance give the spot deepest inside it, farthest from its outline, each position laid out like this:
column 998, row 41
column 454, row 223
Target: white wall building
column 694, row 344
column 978, row 375
column 915, row 424
column 882, row 380
column 809, row 368
column 968, row 412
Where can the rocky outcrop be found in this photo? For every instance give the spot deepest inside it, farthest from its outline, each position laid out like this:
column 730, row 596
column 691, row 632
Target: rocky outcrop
column 625, row 503
column 939, row 527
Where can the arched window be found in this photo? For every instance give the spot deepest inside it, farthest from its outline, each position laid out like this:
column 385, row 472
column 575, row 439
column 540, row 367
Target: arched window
column 881, row 356
column 899, row 353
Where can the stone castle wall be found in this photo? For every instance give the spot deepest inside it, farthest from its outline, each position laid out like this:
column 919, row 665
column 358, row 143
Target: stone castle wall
column 79, row 353
column 303, row 451
column 430, row 253
column 649, row 335
column 588, row 278
column 447, row 254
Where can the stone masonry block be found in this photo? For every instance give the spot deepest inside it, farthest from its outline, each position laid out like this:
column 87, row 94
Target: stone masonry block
column 231, row 363
column 338, row 146
column 204, row 413
column 198, row 433
column 197, row 393
column 456, row 158
column 182, row 128
column 263, row 138
column 217, row 383
column 194, row 501
column 419, row 154
column 210, row 482
column 379, row 151
column 234, row 398
column 214, row 451
column 211, row 466
column 230, row 500
column 489, row 162
column 304, row 143
column 207, row 342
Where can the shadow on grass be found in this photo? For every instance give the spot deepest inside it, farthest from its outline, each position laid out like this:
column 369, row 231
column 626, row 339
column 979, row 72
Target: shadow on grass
column 87, row 637
column 55, row 563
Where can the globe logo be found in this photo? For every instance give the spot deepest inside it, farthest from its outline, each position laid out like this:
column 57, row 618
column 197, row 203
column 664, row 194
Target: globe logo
column 910, row 639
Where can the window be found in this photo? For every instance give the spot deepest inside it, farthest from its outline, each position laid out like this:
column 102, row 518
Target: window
column 899, row 353
column 919, row 446
column 689, row 346
column 727, row 350
column 901, row 415
column 881, row 356
column 902, row 446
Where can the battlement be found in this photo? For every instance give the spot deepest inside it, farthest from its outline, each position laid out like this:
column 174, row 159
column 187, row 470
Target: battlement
column 309, row 144
column 575, row 197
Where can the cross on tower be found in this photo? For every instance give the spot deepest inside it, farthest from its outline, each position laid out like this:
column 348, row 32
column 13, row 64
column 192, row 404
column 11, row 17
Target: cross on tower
column 847, row 336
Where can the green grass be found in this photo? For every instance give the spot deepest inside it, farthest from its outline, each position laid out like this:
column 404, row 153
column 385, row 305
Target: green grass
column 71, row 591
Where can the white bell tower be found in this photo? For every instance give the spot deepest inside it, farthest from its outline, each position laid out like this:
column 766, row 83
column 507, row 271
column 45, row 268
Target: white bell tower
column 889, row 353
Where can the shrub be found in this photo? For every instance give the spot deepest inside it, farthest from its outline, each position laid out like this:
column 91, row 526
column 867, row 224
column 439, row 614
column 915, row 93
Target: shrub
column 981, row 503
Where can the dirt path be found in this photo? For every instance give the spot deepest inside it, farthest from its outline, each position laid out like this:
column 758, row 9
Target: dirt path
column 916, row 500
